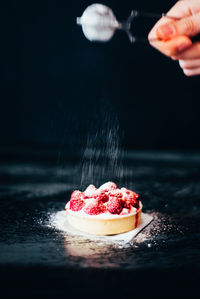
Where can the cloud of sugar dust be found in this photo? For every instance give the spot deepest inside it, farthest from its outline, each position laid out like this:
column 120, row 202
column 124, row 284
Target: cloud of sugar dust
column 102, row 156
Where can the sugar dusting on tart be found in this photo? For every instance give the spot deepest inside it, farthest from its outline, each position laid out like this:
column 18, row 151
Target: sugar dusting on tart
column 101, row 206
column 107, row 200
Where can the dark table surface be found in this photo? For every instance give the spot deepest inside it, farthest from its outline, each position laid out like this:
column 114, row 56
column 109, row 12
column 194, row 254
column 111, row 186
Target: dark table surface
column 37, row 260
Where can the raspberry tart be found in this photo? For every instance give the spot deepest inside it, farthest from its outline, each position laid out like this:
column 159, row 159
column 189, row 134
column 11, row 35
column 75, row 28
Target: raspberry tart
column 107, row 210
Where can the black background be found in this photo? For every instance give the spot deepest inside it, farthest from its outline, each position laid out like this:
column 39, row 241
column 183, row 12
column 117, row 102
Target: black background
column 53, row 81
column 56, row 87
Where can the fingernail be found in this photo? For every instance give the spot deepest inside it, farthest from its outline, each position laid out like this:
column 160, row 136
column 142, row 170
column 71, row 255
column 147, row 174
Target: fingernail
column 166, row 31
column 184, row 46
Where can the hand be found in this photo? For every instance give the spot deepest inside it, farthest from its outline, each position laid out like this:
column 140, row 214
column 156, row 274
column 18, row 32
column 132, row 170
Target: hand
column 172, row 37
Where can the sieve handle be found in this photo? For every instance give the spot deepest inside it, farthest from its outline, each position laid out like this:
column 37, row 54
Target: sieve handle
column 126, row 26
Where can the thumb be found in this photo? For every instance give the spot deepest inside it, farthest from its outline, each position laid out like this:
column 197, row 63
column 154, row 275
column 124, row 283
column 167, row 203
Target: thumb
column 189, row 26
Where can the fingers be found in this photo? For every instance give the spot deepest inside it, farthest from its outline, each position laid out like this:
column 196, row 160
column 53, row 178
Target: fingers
column 192, row 72
column 189, row 60
column 184, row 8
column 190, row 67
column 189, row 64
column 173, row 47
column 172, row 37
column 165, row 29
column 189, row 26
column 192, row 53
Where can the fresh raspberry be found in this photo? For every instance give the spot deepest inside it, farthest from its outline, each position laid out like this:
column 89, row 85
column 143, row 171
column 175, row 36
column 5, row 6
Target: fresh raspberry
column 95, row 208
column 129, row 192
column 133, row 198
column 101, row 196
column 130, row 198
column 76, row 195
column 76, row 204
column 115, row 205
column 76, row 201
column 125, row 191
column 127, row 203
column 108, row 186
column 135, row 203
column 116, row 193
column 89, row 191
